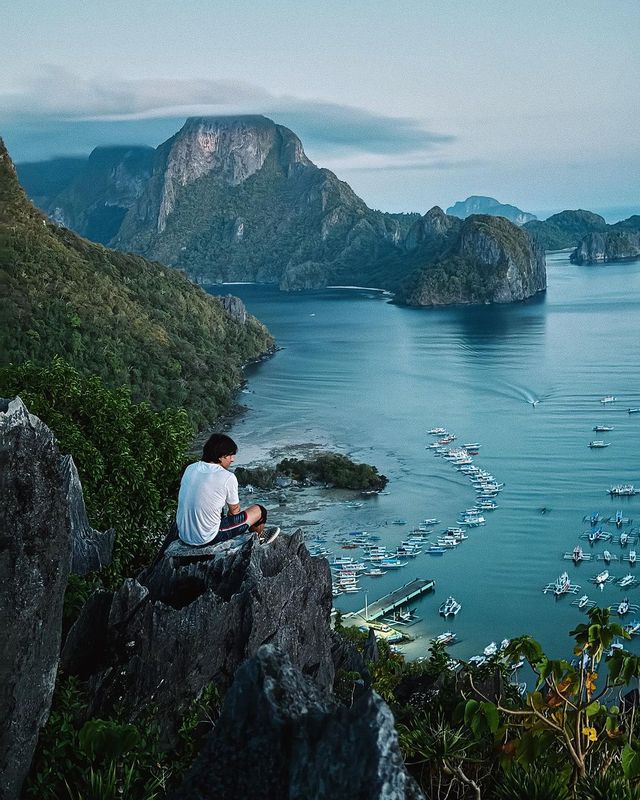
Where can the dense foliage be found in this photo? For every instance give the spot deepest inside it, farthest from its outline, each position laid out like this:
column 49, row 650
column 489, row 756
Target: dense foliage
column 81, row 758
column 565, row 229
column 466, row 731
column 115, row 315
column 331, row 469
column 129, row 457
column 334, row 469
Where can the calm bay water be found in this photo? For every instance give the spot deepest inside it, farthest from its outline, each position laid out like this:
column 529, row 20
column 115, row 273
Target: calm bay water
column 361, row 375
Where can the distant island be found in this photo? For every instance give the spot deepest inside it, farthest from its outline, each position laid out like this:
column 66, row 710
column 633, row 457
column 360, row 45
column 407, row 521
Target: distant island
column 594, row 241
column 237, row 199
column 479, row 204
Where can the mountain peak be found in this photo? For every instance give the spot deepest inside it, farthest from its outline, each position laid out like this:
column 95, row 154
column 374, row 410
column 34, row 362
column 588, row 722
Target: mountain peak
column 13, row 200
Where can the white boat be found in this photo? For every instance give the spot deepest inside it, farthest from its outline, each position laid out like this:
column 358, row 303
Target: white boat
column 392, row 564
column 450, row 607
column 375, row 572
column 445, row 638
column 504, row 644
column 430, row 521
column 632, row 556
column 577, row 555
column 624, row 539
column 635, row 410
column 628, row 580
column 477, row 661
column 598, row 444
column 601, row 578
column 490, row 650
column 623, row 607
column 633, row 627
column 437, row 431
column 583, row 601
column 561, row 585
column 623, row 490
column 603, row 428
column 608, row 399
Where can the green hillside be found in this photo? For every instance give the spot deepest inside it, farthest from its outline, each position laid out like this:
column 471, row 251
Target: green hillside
column 130, row 321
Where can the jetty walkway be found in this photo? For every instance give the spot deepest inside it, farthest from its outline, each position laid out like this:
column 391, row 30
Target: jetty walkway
column 395, row 599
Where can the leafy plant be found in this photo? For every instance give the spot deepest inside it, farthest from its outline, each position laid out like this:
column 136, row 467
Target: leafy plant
column 129, row 457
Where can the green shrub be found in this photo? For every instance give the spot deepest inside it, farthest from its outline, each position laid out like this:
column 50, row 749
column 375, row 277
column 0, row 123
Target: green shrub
column 129, row 457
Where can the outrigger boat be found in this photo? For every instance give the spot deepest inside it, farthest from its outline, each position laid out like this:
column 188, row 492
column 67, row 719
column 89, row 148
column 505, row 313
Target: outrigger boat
column 445, row 638
column 598, row 444
column 626, row 537
column 633, row 627
column 624, row 607
column 608, row 399
column 562, row 585
column 635, row 410
column 603, row 428
column 607, row 557
column 602, row 578
column 577, row 555
column 583, row 602
column 623, row 490
column 628, row 580
column 619, row 519
column 631, row 558
column 490, row 650
column 450, row 607
column 597, row 535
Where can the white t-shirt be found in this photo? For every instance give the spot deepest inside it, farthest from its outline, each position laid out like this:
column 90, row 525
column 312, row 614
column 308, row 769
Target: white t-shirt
column 204, row 490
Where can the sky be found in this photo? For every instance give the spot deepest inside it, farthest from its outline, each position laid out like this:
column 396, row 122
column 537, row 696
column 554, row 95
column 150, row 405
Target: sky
column 414, row 103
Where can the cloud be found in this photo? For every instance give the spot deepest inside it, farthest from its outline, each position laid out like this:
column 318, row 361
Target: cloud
column 57, row 95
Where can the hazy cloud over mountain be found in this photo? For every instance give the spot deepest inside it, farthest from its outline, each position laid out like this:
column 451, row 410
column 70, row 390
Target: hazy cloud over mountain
column 57, row 95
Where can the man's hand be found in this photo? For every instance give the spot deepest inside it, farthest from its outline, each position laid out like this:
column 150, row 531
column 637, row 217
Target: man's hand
column 234, row 509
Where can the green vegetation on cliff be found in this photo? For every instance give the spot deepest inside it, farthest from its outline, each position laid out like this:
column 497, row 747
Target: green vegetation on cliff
column 565, row 229
column 129, row 321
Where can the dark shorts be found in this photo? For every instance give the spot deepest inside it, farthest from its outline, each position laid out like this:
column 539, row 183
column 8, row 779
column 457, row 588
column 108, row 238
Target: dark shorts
column 231, row 525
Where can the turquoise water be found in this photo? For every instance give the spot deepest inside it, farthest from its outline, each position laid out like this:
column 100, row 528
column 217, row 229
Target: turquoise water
column 369, row 378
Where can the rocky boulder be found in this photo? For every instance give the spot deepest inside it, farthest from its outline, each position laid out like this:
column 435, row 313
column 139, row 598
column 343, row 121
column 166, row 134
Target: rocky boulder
column 187, row 622
column 280, row 736
column 44, row 528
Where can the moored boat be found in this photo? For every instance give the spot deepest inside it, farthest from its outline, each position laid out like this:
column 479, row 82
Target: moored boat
column 450, row 607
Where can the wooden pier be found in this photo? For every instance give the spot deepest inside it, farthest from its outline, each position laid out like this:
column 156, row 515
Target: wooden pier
column 395, row 599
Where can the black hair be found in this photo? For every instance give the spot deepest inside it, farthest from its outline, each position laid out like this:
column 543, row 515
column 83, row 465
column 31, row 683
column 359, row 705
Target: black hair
column 218, row 445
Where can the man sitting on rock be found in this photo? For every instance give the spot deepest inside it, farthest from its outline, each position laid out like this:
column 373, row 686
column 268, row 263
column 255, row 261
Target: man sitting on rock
column 206, row 487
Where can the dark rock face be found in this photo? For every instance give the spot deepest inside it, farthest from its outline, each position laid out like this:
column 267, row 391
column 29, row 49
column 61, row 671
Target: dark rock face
column 44, row 525
column 279, row 736
column 235, row 308
column 184, row 624
column 613, row 245
column 483, row 259
column 91, row 549
column 433, row 229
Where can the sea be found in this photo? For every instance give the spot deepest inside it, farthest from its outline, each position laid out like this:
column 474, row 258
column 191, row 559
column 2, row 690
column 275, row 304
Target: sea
column 362, row 376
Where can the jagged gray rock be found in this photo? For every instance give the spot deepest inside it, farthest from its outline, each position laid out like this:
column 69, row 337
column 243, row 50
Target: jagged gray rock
column 44, row 525
column 187, row 622
column 612, row 245
column 280, row 737
column 91, row 549
column 235, row 308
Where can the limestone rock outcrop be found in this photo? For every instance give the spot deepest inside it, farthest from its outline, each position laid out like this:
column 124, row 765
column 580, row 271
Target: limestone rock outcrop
column 280, row 736
column 482, row 259
column 612, row 245
column 44, row 530
column 184, row 624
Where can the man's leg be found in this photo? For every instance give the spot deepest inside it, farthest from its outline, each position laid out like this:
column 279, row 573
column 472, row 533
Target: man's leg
column 256, row 517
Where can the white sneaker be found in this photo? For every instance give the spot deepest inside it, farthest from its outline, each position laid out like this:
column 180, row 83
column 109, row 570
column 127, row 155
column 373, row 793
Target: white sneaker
column 269, row 534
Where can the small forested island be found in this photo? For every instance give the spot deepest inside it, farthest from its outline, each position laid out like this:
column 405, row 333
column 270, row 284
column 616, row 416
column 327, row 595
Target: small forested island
column 328, row 469
column 479, row 204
